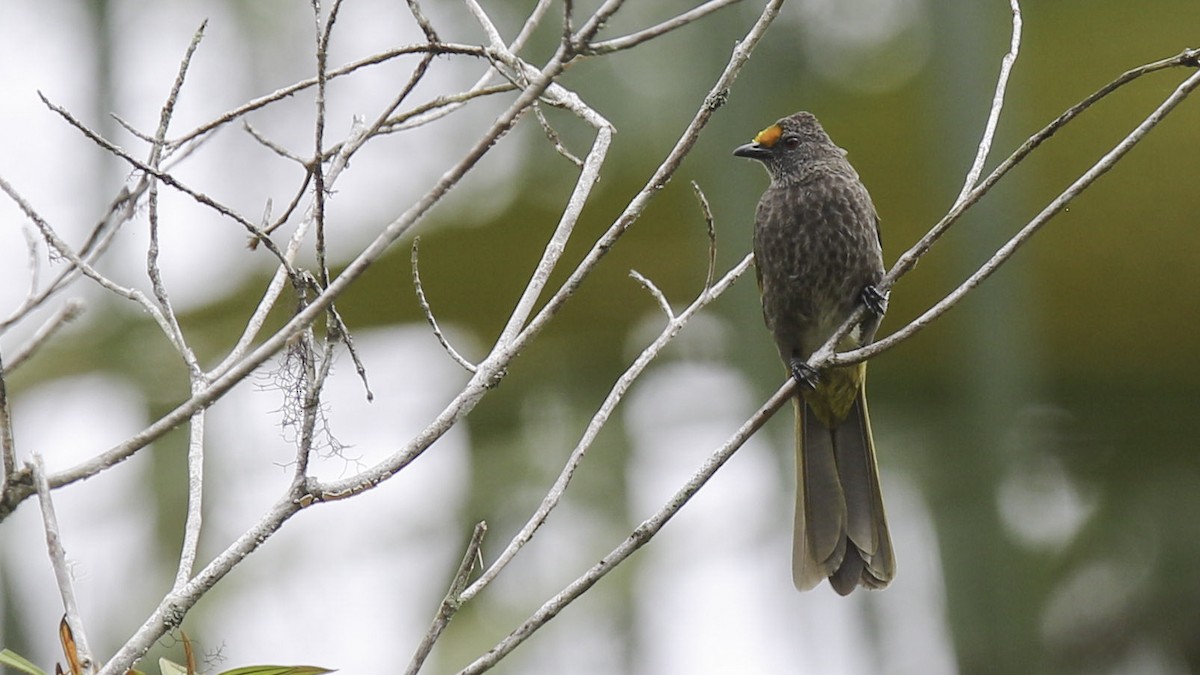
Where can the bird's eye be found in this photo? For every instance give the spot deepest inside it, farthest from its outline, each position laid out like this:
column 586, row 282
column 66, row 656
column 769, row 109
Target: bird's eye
column 791, row 141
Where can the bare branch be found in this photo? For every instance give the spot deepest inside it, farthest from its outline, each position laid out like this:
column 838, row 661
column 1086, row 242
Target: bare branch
column 1189, row 58
column 453, row 600
column 273, row 147
column 375, row 59
column 128, row 126
column 443, row 104
column 269, row 229
column 599, row 419
column 555, row 139
column 908, row 260
column 595, row 22
column 655, row 292
column 342, row 333
column 168, row 108
column 588, row 178
column 70, row 311
column 8, row 446
column 716, row 98
column 711, row 228
column 61, row 248
column 194, row 520
column 171, row 609
column 635, row 39
column 414, row 8
column 169, row 323
column 164, row 177
column 640, row 536
column 428, row 312
column 323, row 34
column 120, row 210
column 985, row 144
column 485, row 22
column 567, row 24
column 1006, row 251
column 58, row 561
column 33, row 260
column 233, row 371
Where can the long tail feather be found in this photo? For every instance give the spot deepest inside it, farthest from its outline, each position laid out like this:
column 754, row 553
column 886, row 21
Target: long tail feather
column 841, row 529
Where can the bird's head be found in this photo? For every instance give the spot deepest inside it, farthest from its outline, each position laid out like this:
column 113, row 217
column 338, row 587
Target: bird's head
column 786, row 146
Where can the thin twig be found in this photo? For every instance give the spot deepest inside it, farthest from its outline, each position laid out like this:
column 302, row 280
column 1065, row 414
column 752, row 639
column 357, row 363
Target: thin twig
column 128, row 126
column 58, row 561
column 194, row 520
column 712, row 101
column 599, row 420
column 278, row 95
column 993, row 120
column 323, row 34
column 428, row 312
column 414, row 8
column 8, row 445
column 635, row 39
column 168, row 108
column 655, row 292
column 165, row 178
column 822, row 356
column 33, row 260
column 417, row 116
column 121, row 209
column 485, row 22
column 1189, row 58
column 178, row 603
column 269, row 229
column 61, row 248
column 711, row 229
column 342, row 333
column 1009, row 248
column 555, row 139
column 443, row 106
column 70, row 311
column 554, row 249
column 638, row 538
column 273, row 147
column 451, row 602
column 316, row 365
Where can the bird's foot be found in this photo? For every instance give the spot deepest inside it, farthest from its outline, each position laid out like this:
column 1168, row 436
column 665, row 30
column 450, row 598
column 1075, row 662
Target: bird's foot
column 875, row 300
column 805, row 375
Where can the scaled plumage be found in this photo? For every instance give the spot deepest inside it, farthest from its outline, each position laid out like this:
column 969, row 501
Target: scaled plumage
column 817, row 254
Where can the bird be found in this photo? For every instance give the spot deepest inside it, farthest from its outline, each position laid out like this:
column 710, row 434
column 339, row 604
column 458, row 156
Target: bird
column 818, row 256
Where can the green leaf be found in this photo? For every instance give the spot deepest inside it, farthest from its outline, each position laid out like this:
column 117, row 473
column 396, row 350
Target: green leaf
column 277, row 670
column 171, row 668
column 14, row 660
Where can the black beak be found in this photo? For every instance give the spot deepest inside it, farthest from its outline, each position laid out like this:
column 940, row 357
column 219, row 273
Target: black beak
column 752, row 151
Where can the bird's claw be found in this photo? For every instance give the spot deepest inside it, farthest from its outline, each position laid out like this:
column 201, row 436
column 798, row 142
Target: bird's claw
column 875, row 300
column 805, row 375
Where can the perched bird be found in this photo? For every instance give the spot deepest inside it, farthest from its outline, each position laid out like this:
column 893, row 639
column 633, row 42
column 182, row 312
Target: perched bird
column 818, row 256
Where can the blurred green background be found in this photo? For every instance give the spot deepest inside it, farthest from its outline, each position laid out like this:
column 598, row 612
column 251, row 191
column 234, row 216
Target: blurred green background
column 1049, row 422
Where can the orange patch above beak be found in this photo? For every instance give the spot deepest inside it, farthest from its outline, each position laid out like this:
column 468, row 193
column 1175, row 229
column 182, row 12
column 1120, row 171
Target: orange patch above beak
column 769, row 136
